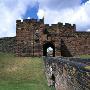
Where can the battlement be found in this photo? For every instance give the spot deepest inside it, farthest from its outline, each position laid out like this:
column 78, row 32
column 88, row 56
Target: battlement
column 67, row 25
column 61, row 27
column 26, row 23
column 18, row 21
column 58, row 25
column 30, row 21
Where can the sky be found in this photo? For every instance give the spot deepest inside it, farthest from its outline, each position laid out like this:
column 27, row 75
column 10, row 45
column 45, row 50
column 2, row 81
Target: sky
column 54, row 11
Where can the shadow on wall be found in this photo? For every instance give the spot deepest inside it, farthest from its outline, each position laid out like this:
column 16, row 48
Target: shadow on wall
column 53, row 80
column 64, row 51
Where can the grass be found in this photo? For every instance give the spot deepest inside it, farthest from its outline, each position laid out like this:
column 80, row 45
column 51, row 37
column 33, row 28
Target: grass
column 84, row 56
column 87, row 67
column 22, row 73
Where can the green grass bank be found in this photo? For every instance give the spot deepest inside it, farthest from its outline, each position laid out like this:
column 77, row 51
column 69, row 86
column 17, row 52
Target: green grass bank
column 22, row 73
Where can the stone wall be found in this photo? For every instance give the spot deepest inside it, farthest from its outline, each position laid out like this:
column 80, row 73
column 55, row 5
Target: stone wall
column 32, row 35
column 66, row 73
column 79, row 44
column 28, row 37
column 7, row 44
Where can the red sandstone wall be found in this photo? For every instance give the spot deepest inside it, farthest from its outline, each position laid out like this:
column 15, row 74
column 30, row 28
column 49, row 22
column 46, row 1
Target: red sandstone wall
column 78, row 45
column 27, row 44
column 67, row 41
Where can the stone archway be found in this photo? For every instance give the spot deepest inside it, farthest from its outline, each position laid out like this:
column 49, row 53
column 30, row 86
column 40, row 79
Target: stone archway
column 46, row 46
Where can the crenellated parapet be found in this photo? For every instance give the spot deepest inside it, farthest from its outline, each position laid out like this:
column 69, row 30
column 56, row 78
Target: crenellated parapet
column 18, row 24
column 28, row 22
column 66, row 29
column 70, row 26
column 61, row 29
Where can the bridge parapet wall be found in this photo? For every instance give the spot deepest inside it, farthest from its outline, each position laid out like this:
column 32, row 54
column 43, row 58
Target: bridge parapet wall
column 67, row 74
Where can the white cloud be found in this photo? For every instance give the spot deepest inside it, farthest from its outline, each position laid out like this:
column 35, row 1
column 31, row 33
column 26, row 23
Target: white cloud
column 88, row 30
column 49, row 49
column 40, row 13
column 10, row 11
column 28, row 18
column 53, row 10
column 76, row 14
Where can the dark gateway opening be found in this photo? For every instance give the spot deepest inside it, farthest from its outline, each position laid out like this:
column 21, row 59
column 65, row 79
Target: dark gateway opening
column 46, row 46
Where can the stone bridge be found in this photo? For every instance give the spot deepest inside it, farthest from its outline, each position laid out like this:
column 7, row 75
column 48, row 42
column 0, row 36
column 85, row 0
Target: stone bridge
column 66, row 73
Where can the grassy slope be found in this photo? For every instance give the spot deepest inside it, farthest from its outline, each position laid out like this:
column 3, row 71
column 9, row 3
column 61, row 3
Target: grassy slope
column 85, row 56
column 22, row 73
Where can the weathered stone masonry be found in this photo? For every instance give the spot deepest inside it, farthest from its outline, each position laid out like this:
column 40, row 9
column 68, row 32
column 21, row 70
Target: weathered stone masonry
column 7, row 44
column 66, row 74
column 33, row 37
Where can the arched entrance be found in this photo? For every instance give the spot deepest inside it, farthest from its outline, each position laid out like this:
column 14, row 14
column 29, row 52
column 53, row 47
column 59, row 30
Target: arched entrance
column 49, row 49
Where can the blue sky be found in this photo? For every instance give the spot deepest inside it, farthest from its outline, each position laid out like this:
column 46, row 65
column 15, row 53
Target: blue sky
column 54, row 11
column 84, row 1
column 32, row 11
